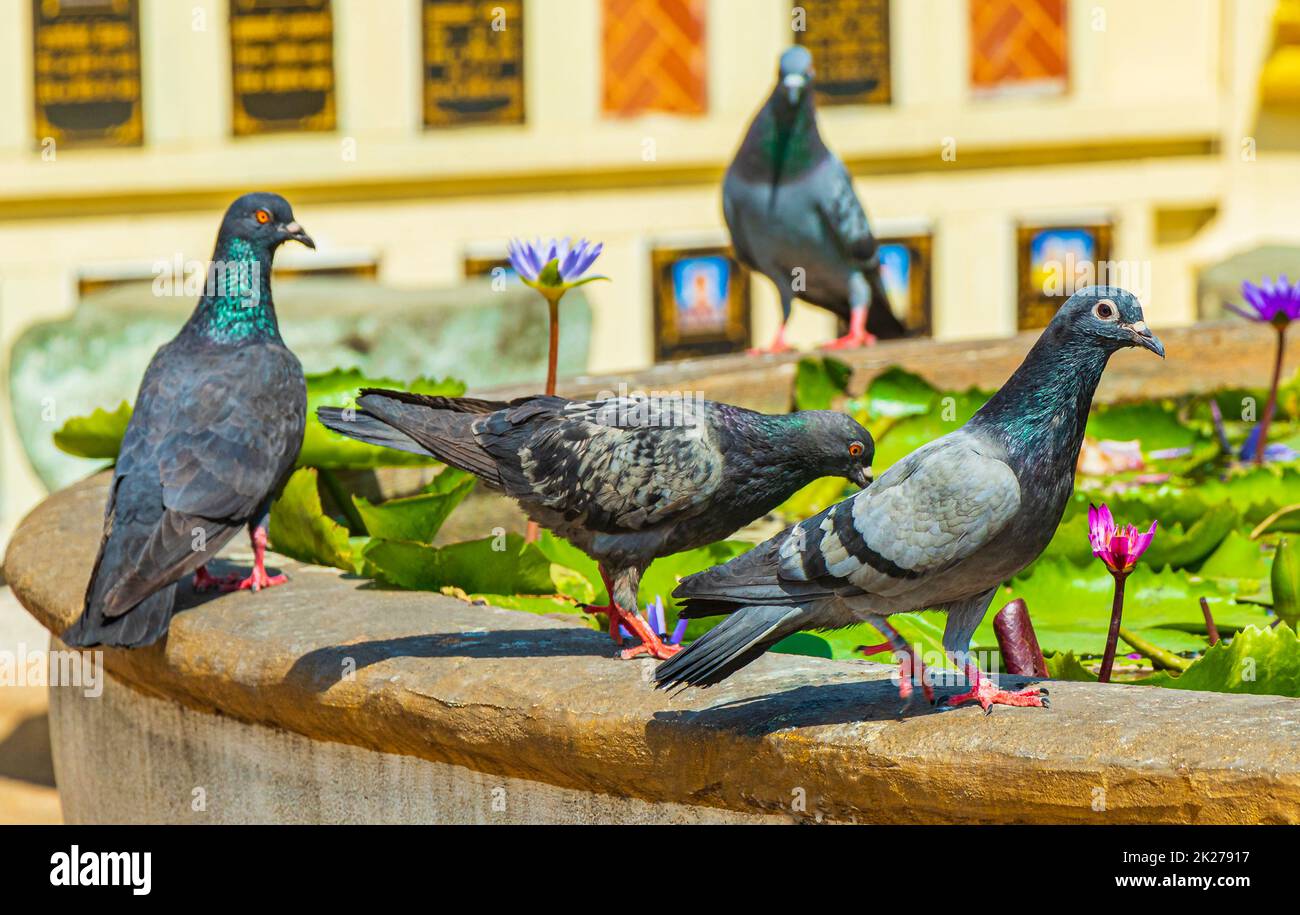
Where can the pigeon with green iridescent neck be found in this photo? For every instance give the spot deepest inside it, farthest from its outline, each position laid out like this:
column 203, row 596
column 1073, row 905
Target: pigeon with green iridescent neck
column 942, row 529
column 625, row 479
column 795, row 218
column 215, row 431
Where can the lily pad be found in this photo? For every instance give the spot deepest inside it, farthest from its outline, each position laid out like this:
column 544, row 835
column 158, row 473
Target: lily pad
column 819, row 382
column 1261, row 661
column 300, row 528
column 896, row 393
column 1153, row 423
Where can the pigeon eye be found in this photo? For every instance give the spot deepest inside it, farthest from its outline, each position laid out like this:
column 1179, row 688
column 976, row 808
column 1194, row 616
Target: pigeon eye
column 1105, row 309
column 855, row 449
column 262, row 216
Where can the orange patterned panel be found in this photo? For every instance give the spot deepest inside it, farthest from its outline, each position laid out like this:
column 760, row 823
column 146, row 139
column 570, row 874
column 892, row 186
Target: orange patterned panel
column 654, row 56
column 1017, row 42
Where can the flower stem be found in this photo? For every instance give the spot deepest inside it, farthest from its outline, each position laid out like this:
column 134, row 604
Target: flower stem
column 1262, row 442
column 1160, row 659
column 1211, row 630
column 553, row 355
column 1112, row 637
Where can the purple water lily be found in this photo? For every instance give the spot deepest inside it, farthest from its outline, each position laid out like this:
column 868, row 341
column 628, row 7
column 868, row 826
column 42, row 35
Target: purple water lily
column 1276, row 304
column 531, row 258
column 1119, row 548
column 1273, row 303
column 553, row 267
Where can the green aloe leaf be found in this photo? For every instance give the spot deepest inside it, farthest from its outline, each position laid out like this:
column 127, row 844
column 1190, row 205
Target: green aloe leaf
column 819, row 382
column 416, row 518
column 322, row 447
column 98, row 435
column 493, row 565
column 1262, row 661
column 300, row 528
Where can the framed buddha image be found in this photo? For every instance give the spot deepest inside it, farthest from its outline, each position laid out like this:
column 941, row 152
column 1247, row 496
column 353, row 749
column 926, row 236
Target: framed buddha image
column 1055, row 261
column 701, row 297
column 906, row 272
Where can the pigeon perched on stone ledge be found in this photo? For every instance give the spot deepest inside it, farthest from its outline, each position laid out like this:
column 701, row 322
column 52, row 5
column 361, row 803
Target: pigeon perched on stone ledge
column 941, row 529
column 216, row 428
column 626, row 479
column 794, row 216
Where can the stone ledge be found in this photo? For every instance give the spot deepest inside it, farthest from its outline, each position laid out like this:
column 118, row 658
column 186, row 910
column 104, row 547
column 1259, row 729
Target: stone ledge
column 541, row 700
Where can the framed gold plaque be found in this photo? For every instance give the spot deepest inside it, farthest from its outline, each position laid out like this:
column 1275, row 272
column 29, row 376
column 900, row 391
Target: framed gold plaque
column 701, row 300
column 86, row 62
column 473, row 62
column 282, row 63
column 849, row 41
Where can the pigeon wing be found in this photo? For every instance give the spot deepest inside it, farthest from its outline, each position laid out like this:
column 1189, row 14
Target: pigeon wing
column 208, row 443
column 931, row 511
column 622, row 464
column 844, row 219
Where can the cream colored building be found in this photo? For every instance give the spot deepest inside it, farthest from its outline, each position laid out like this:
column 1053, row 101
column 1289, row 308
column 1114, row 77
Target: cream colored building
column 1153, row 134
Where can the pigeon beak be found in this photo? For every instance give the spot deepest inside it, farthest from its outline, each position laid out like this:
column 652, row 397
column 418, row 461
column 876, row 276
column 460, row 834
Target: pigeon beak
column 295, row 231
column 794, row 85
column 862, row 477
column 1143, row 337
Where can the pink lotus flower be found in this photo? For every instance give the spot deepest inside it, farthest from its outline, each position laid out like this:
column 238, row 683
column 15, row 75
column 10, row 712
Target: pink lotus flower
column 1119, row 548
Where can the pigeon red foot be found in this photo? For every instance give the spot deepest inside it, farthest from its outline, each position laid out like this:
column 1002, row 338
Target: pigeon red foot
column 857, row 335
column 778, row 345
column 651, row 645
column 910, row 669
column 256, row 580
column 988, row 694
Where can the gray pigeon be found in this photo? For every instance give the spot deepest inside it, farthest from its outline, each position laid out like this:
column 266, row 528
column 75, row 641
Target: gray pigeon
column 625, row 479
column 795, row 218
column 941, row 529
column 217, row 426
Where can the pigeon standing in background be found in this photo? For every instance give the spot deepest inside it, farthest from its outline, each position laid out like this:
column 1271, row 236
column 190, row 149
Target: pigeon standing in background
column 941, row 529
column 627, row 479
column 794, row 216
column 216, row 428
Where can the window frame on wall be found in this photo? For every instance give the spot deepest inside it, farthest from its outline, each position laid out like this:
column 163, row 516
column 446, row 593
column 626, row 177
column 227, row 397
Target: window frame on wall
column 830, row 90
column 671, row 342
column 1035, row 308
column 128, row 132
column 244, row 123
column 515, row 23
column 1009, row 86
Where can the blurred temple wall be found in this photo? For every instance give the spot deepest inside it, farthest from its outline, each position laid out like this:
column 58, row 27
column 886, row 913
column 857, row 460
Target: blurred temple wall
column 413, row 137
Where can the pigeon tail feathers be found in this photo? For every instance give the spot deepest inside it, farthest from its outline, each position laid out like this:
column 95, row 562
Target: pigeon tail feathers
column 145, row 624
column 732, row 644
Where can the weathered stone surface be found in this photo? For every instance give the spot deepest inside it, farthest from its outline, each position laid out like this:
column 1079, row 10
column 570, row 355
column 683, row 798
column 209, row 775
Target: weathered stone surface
column 542, row 700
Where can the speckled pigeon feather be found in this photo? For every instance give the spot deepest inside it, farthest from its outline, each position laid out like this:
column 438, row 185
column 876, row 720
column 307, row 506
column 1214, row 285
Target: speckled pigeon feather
column 625, row 479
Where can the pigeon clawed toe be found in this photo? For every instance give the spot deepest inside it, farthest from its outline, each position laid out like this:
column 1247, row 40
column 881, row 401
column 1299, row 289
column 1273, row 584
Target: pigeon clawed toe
column 941, row 529
column 625, row 479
